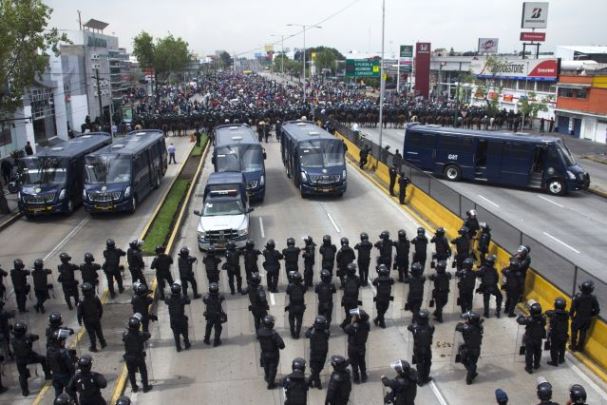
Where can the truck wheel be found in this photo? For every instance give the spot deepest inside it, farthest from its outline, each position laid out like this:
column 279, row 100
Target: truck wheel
column 556, row 187
column 453, row 173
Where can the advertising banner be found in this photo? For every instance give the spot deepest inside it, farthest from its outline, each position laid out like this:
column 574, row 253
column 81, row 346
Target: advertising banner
column 487, row 45
column 422, row 69
column 533, row 36
column 518, row 69
column 535, row 15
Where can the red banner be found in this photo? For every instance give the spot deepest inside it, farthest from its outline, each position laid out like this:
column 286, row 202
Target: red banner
column 422, row 69
column 533, row 36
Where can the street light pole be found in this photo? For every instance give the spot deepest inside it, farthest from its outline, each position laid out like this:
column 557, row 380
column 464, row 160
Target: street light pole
column 304, row 53
column 381, row 77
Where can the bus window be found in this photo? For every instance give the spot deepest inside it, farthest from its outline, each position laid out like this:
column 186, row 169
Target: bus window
column 415, row 141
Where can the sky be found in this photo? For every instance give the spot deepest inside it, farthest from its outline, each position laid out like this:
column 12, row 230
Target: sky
column 244, row 26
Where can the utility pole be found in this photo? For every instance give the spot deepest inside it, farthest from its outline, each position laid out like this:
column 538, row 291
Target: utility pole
column 304, row 53
column 381, row 78
column 99, row 95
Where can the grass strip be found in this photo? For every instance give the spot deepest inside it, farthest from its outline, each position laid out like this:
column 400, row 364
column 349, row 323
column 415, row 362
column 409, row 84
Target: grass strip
column 197, row 151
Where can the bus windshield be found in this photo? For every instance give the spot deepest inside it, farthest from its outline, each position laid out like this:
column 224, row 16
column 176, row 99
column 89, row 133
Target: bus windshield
column 103, row 169
column 239, row 158
column 222, row 207
column 44, row 170
column 321, row 153
column 565, row 154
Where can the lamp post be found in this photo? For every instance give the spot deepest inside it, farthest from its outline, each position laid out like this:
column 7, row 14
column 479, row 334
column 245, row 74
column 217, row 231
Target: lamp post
column 304, row 27
column 381, row 78
column 282, row 51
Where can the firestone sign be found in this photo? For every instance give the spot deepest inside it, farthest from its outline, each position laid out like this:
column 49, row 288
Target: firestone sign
column 527, row 69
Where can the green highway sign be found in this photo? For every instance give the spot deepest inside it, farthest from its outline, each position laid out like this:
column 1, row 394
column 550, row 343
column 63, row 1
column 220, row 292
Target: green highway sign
column 362, row 68
column 406, row 51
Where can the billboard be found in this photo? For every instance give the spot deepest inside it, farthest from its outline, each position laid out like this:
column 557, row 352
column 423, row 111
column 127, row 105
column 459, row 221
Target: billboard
column 487, row 45
column 517, row 69
column 406, row 51
column 533, row 36
column 535, row 15
column 422, row 69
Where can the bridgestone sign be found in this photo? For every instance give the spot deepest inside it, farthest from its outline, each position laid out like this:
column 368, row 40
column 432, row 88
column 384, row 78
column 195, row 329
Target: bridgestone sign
column 535, row 15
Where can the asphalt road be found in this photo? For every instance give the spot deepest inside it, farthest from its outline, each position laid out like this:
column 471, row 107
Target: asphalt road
column 79, row 233
column 572, row 225
column 230, row 374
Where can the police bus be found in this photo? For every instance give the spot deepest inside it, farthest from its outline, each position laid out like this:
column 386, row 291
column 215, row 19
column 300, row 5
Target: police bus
column 51, row 180
column 538, row 162
column 237, row 149
column 314, row 158
column 120, row 176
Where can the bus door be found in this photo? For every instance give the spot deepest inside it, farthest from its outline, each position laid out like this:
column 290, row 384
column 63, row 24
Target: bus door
column 517, row 159
column 488, row 159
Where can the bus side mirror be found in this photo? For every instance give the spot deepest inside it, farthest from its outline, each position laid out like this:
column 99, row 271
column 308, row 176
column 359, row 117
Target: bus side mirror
column 196, row 212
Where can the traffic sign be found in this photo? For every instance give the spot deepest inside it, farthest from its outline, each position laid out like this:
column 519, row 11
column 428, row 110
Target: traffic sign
column 406, row 51
column 362, row 68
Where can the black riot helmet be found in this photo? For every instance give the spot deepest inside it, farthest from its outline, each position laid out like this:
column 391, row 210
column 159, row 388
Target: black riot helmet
column 250, row 244
column 544, row 391
column 211, row 251
column 417, row 269
column 385, row 235
column 351, row 269
column 441, row 266
column 63, row 399
column 134, row 323
column 383, row 270
column 364, row 236
column 344, row 241
column 230, row 245
column 468, row 263
column 440, row 231
column 308, row 240
column 64, row 257
column 123, row 400
column 402, row 234
column 134, row 244
column 268, row 321
column 85, row 363
column 184, row 251
column 255, row 279
column 19, row 328
column 87, row 288
column 213, row 288
column 587, row 287
column 298, row 364
column 176, row 288
column 421, row 231
column 535, row 309
column 577, row 394
column 88, row 257
column 560, row 303
column 38, row 264
column 290, row 242
column 18, row 263
column 423, row 316
column 402, row 367
column 490, row 260
column 141, row 289
column 55, row 319
column 159, row 249
column 339, row 362
column 295, row 276
column 320, row 322
column 325, row 275
column 472, row 317
column 326, row 240
column 110, row 244
column 270, row 244
column 463, row 230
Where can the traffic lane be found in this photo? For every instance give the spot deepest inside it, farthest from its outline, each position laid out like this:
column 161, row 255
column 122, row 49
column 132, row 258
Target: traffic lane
column 597, row 171
column 89, row 234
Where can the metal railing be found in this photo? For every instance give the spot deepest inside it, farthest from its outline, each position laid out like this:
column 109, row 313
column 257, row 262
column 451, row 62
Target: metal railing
column 559, row 271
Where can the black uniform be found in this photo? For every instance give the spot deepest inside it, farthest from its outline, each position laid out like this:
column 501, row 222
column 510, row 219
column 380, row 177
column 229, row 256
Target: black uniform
column 232, row 265
column 415, row 295
column 358, row 333
column 420, row 243
column 41, row 287
column 140, row 303
column 363, row 260
column 484, row 240
column 61, row 364
column 3, row 274
column 291, row 255
column 403, row 182
column 489, row 286
column 319, row 347
column 214, row 316
column 271, row 343
column 272, row 266
column 296, row 388
column 383, row 284
column 162, row 264
column 401, row 260
column 472, row 225
column 393, row 171
column 584, row 307
column 340, row 386
column 296, row 308
column 385, row 246
column 211, row 266
column 514, row 286
column 186, row 273
column 403, row 388
column 557, row 334
column 350, row 298
column 535, row 332
column 422, row 348
column 250, row 261
column 462, row 249
column 5, row 329
column 89, row 273
column 440, row 293
column 327, row 251
column 258, row 303
column 178, row 319
column 325, row 290
column 21, row 287
column 88, row 384
column 112, row 269
column 90, row 312
column 442, row 250
column 25, row 355
column 465, row 285
column 136, row 264
column 134, row 356
column 309, row 259
column 470, row 350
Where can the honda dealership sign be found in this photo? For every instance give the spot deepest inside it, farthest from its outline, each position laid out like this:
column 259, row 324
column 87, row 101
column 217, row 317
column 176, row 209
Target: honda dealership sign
column 518, row 69
column 535, row 15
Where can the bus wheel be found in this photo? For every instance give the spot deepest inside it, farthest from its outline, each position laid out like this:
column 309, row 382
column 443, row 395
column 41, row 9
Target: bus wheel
column 556, row 187
column 453, row 173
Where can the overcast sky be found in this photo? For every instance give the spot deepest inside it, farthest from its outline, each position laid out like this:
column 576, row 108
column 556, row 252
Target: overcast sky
column 245, row 25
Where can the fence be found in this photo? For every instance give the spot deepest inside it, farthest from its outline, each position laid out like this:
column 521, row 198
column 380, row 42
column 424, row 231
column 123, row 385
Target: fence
column 559, row 271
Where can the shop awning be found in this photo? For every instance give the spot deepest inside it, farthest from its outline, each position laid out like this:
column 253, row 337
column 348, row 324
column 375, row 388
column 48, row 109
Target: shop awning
column 576, row 86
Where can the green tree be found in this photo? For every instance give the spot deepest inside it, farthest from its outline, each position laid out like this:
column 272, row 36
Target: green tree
column 144, row 49
column 24, row 43
column 168, row 55
column 530, row 106
column 225, row 60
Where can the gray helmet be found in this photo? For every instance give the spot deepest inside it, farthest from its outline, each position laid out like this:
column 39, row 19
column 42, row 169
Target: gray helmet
column 402, row 367
column 19, row 328
column 423, row 316
column 63, row 399
column 55, row 319
column 295, row 276
column 468, row 263
column 490, row 260
column 463, row 230
column 440, row 231
column 417, row 269
column 421, row 231
column 123, row 400
column 326, row 240
column 351, row 269
column 472, row 317
column 441, row 266
column 383, row 270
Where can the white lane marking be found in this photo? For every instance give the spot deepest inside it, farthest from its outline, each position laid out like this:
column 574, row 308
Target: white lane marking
column 333, row 222
column 550, row 201
column 67, row 237
column 587, row 379
column 489, row 201
column 272, row 299
column 263, row 234
column 438, row 394
column 561, row 242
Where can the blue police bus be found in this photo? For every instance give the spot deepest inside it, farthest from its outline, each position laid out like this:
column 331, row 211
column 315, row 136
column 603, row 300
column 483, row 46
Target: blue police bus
column 52, row 179
column 537, row 162
column 237, row 149
column 118, row 177
column 313, row 158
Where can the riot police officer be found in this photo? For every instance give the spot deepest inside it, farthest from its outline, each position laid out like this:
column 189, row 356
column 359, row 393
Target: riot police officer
column 41, row 284
column 471, row 223
column 5, row 329
column 134, row 353
column 295, row 385
column 442, row 250
column 393, row 171
column 178, row 319
column 55, row 324
column 349, row 300
column 232, row 265
column 420, row 242
column 358, row 333
column 271, row 343
column 423, row 333
column 325, row 290
column 557, row 331
column 544, row 392
column 345, row 256
column 327, row 252
column 401, row 260
column 489, row 286
column 535, row 332
column 291, row 255
column 484, row 240
column 383, row 284
column 214, row 314
column 19, row 278
column 64, row 399
column 340, row 383
column 403, row 182
column 87, row 383
column 90, row 312
column 462, row 247
column 111, row 266
column 403, row 386
column 470, row 350
column 364, row 248
column 24, row 355
column 415, row 295
column 123, row 400
column 89, row 270
column 319, row 347
column 271, row 264
column 577, row 395
column 250, row 259
column 465, row 285
column 522, row 255
column 2, row 286
column 258, row 303
column 296, row 307
column 135, row 261
column 384, row 245
column 440, row 293
column 514, row 285
column 185, row 263
column 211, row 265
column 309, row 258
column 60, row 361
column 584, row 307
column 141, row 302
column 162, row 264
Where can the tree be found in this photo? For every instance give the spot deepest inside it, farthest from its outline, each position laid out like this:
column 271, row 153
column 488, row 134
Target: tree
column 225, row 59
column 530, row 106
column 144, row 49
column 166, row 55
column 24, row 43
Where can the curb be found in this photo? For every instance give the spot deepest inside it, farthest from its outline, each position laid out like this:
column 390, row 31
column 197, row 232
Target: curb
column 598, row 192
column 13, row 218
column 594, row 159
